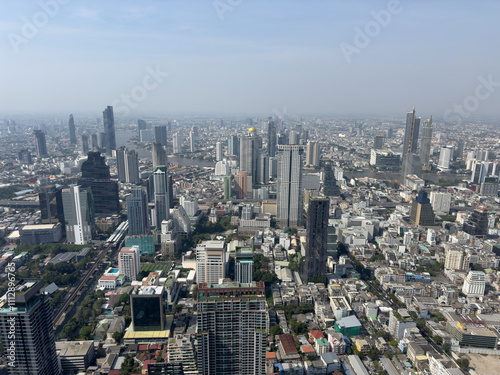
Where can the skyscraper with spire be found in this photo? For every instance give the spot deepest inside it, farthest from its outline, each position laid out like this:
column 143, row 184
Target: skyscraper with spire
column 72, row 132
column 411, row 160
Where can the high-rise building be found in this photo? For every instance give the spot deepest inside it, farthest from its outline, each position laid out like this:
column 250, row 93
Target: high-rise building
column 210, row 261
column 109, row 129
column 95, row 174
column 477, row 223
column 162, row 201
column 263, row 172
column 129, row 262
column 474, row 284
column 180, row 350
column 94, row 144
column 228, row 180
column 271, row 138
column 460, row 150
column 421, row 210
column 289, row 200
column 219, row 151
column 24, row 156
column 137, row 212
column 196, row 132
column 78, row 206
column 177, row 143
column 192, row 142
column 243, row 268
column 161, row 135
column 456, row 259
column 244, row 184
column 294, row 137
column 72, row 131
column 440, row 202
column 231, row 329
column 159, row 155
column 40, row 144
column 317, row 237
column 479, row 171
column 312, row 154
column 51, row 207
column 127, row 163
column 167, row 368
column 425, row 149
column 378, row 142
column 26, row 327
column 141, row 125
column 250, row 151
column 85, row 144
column 233, row 145
column 411, row 160
column 147, row 307
column 445, row 157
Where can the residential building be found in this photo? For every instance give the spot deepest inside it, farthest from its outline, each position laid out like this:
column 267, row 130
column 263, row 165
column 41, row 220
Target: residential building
column 474, row 284
column 137, row 212
column 289, row 202
column 317, row 238
column 129, row 262
column 79, row 211
column 210, row 261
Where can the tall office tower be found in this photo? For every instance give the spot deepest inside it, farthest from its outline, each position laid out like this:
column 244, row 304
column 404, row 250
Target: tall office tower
column 129, row 262
column 40, row 143
column 27, row 330
column 72, row 132
column 141, row 125
column 102, row 141
column 24, row 156
column 243, row 268
column 121, row 156
column 312, row 154
column 289, row 202
column 94, row 144
column 192, row 142
column 263, row 172
column 231, row 329
column 196, row 131
column 127, row 163
column 51, row 207
column 330, row 187
column 411, row 161
column 477, row 223
column 378, row 142
column 137, row 212
column 85, row 144
column 228, row 180
column 390, row 132
column 219, row 151
column 317, row 237
column 250, row 151
column 474, row 284
column 78, row 206
column 109, row 128
column 11, row 125
column 210, row 261
column 161, row 135
column 177, row 143
column 460, row 150
column 233, row 145
column 421, row 210
column 425, row 148
column 271, row 138
column 162, row 204
column 170, row 191
column 440, row 202
column 273, row 167
column 456, row 259
column 294, row 137
column 479, row 171
column 445, row 157
column 244, row 185
column 159, row 155
column 95, row 174
column 147, row 307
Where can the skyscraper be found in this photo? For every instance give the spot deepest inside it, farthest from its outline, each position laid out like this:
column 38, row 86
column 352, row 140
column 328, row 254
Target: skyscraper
column 162, row 204
column 129, row 262
column 40, row 143
column 27, row 327
column 243, row 268
column 161, row 135
column 120, row 163
column 177, row 143
column 474, row 284
column 51, row 207
column 109, row 129
column 289, row 202
column 159, row 155
column 95, row 174
column 330, row 187
column 85, row 144
column 271, row 138
column 127, row 163
column 250, row 151
column 141, row 125
column 317, row 238
column 445, row 157
column 137, row 212
column 219, row 151
column 192, row 141
column 231, row 329
column 426, row 144
column 411, row 161
column 228, row 186
column 378, row 142
column 210, row 261
column 312, row 154
column 78, row 206
column 94, row 144
column 294, row 137
column 477, row 223
column 233, row 145
column 72, row 132
column 421, row 210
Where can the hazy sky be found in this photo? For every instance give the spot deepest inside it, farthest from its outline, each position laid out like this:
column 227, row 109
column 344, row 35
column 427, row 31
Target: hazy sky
column 250, row 56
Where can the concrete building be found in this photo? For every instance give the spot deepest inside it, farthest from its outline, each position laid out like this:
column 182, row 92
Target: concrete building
column 474, row 284
column 76, row 356
column 289, row 202
column 440, row 202
column 41, row 233
column 78, row 205
column 210, row 261
column 129, row 262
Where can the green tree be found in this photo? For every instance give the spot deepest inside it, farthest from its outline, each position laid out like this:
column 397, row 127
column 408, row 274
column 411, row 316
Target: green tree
column 85, row 332
column 275, row 330
column 463, row 363
column 117, row 336
column 438, row 339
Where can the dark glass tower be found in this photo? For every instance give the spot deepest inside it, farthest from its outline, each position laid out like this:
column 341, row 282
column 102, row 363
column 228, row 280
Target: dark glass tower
column 271, row 138
column 137, row 212
column 109, row 129
column 477, row 224
column 72, row 132
column 411, row 160
column 161, row 135
column 317, row 238
column 51, row 207
column 29, row 319
column 421, row 210
column 330, row 187
column 40, row 143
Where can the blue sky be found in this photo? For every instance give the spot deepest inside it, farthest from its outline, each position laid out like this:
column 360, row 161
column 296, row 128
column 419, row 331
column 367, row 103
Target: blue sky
column 249, row 56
